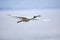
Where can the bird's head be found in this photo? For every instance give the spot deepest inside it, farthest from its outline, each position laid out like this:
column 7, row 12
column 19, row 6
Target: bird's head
column 36, row 16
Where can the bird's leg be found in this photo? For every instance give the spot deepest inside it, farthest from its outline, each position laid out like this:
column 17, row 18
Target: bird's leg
column 19, row 21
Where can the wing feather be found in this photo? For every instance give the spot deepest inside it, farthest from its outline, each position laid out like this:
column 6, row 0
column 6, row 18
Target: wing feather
column 18, row 17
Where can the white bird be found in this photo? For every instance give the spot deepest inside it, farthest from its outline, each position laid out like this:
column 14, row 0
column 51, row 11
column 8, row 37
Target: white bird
column 25, row 19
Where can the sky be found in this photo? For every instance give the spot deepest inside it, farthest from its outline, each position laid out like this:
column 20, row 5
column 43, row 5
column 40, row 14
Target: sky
column 47, row 27
column 28, row 4
column 32, row 30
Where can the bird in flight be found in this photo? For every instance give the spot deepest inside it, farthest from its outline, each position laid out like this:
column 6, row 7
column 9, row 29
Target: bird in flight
column 24, row 19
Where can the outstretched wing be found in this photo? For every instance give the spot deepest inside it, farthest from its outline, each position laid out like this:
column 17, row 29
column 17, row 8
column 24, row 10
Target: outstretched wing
column 18, row 17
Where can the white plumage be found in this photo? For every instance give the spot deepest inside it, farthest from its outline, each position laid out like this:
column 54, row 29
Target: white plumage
column 25, row 19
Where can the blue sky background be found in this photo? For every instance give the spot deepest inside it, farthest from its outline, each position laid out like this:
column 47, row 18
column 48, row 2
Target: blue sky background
column 28, row 4
column 32, row 30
